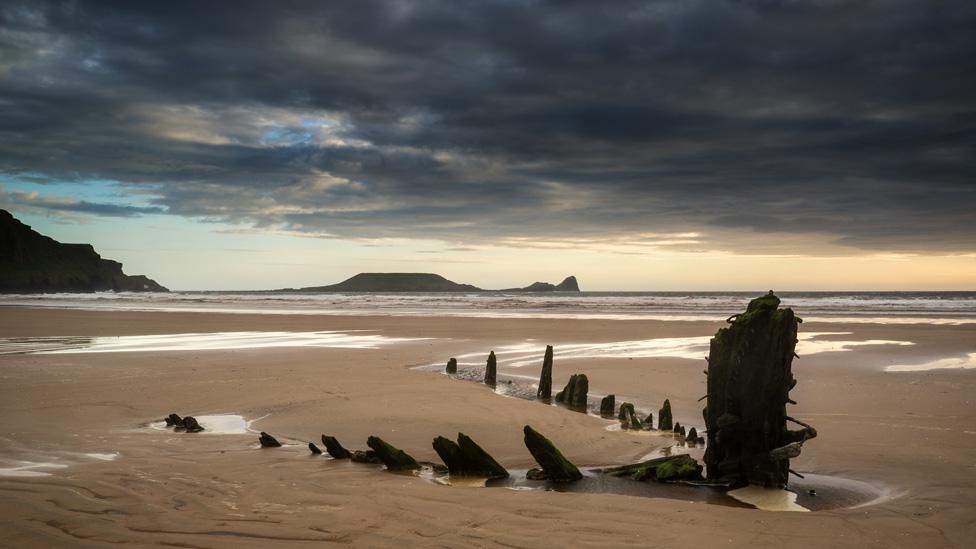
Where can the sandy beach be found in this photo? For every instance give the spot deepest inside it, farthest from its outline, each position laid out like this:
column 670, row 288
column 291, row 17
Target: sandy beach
column 112, row 479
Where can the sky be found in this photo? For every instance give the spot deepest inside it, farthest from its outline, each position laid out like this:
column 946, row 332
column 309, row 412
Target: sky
column 654, row 145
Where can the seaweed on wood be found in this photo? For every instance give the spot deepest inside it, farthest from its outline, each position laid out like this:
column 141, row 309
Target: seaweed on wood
column 749, row 381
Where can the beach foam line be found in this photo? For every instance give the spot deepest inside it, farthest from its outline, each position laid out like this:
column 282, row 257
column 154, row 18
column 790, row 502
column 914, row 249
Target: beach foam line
column 216, row 341
column 954, row 363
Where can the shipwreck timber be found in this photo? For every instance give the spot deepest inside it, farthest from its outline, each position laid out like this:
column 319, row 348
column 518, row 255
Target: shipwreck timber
column 749, row 381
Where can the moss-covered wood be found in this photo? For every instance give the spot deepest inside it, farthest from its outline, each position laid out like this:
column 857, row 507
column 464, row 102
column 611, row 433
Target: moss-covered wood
column 365, row 456
column 466, row 458
column 545, row 379
column 664, row 421
column 335, row 449
column 608, row 406
column 556, row 467
column 749, row 380
column 628, row 417
column 663, row 469
column 451, row 366
column 394, row 458
column 491, row 370
column 574, row 394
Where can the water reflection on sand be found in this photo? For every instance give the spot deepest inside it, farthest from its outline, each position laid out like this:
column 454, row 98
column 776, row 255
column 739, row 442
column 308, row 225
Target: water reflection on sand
column 215, row 341
column 529, row 352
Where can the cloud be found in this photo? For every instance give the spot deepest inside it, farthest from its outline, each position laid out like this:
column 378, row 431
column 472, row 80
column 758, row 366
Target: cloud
column 760, row 125
column 35, row 201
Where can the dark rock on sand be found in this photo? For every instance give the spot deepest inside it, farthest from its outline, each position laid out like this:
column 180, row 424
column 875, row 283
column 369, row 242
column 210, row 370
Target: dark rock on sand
column 491, row 372
column 608, row 406
column 335, row 449
column 394, row 458
column 190, row 425
column 451, row 366
column 557, row 468
column 574, row 394
column 466, row 458
column 268, row 441
column 663, row 469
column 545, row 379
column 314, row 449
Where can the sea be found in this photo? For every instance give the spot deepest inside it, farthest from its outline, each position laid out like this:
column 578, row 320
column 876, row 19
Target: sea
column 867, row 307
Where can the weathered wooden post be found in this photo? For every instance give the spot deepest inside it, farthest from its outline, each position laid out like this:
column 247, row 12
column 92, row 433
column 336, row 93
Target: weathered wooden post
column 545, row 380
column 749, row 380
column 574, row 394
column 490, row 370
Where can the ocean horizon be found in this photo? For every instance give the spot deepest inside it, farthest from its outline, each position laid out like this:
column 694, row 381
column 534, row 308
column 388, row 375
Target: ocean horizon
column 885, row 306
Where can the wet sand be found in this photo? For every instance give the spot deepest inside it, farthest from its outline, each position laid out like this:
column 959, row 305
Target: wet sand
column 912, row 434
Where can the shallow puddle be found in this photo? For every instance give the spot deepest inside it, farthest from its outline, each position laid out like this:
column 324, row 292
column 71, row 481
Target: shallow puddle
column 830, row 492
column 530, row 352
column 955, row 363
column 219, row 424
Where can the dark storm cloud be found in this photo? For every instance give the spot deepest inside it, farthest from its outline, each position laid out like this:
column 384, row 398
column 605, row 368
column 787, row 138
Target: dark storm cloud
column 851, row 121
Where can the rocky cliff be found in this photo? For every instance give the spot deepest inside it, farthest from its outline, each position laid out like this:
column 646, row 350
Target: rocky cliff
column 33, row 263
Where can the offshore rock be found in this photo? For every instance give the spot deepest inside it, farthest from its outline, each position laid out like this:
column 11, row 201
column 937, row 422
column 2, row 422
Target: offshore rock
column 491, row 372
column 749, row 380
column 314, row 449
column 268, row 441
column 663, row 469
column 692, row 436
column 466, row 458
column 574, row 394
column 608, row 406
column 556, row 467
column 545, row 379
column 664, row 417
column 394, row 458
column 649, row 422
column 173, row 420
column 335, row 449
column 451, row 366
